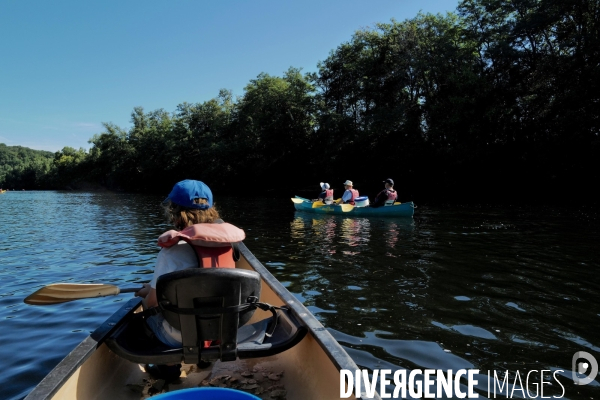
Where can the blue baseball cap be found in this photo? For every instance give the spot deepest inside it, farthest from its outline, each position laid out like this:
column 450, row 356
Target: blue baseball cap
column 185, row 192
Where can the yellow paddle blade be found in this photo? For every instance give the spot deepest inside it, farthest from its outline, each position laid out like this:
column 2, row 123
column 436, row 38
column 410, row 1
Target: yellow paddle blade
column 347, row 207
column 317, row 204
column 63, row 292
column 397, row 203
column 297, row 201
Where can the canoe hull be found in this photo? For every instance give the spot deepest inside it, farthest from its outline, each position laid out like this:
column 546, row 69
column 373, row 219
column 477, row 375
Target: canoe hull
column 401, row 210
column 310, row 369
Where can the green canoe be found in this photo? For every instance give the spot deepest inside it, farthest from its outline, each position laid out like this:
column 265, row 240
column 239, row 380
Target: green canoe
column 397, row 210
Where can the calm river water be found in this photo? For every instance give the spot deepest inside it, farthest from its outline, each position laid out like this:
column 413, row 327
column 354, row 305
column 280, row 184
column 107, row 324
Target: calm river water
column 512, row 288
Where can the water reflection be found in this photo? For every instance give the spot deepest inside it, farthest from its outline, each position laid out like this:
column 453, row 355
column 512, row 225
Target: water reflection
column 68, row 237
column 478, row 287
column 496, row 289
column 367, row 266
column 353, row 232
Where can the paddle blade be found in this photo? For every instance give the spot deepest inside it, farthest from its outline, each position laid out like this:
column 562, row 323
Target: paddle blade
column 63, row 292
column 41, row 300
column 318, row 204
column 347, row 207
column 298, row 201
column 302, row 198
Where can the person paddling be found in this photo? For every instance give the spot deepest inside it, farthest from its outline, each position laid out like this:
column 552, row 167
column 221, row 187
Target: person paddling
column 350, row 194
column 387, row 195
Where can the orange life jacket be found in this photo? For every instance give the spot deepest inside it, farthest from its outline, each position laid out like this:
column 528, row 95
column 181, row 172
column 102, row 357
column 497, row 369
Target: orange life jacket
column 354, row 196
column 391, row 194
column 213, row 243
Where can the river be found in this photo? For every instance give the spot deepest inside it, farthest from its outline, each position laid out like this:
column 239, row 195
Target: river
column 509, row 288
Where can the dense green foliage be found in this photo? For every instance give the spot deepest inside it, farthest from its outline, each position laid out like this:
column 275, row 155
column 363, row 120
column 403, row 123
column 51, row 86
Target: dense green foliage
column 499, row 100
column 23, row 167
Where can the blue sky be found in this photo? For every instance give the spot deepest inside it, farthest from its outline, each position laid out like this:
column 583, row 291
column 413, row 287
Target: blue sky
column 68, row 66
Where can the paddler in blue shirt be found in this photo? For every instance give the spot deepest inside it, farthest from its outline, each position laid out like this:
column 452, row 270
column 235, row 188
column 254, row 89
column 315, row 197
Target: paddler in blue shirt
column 350, row 194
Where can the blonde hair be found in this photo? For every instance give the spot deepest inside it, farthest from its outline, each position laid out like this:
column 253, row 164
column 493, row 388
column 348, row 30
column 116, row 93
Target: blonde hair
column 182, row 217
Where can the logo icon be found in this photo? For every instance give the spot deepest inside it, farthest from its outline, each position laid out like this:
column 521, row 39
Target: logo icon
column 590, row 366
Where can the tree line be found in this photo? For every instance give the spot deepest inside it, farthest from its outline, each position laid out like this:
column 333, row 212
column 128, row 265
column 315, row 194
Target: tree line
column 22, row 167
column 497, row 100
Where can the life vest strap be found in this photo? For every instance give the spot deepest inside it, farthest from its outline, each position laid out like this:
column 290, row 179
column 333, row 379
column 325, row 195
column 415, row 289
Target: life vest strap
column 236, row 252
column 149, row 312
column 212, row 257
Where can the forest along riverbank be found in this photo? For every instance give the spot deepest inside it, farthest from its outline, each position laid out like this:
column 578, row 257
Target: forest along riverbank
column 456, row 287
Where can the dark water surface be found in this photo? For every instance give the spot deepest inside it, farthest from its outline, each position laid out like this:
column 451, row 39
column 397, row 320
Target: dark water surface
column 512, row 288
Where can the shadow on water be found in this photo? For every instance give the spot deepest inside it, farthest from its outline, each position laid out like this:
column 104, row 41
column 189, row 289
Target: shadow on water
column 490, row 288
column 493, row 289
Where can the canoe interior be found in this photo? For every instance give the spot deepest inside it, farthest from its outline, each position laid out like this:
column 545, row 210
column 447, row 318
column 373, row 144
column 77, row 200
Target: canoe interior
column 309, row 370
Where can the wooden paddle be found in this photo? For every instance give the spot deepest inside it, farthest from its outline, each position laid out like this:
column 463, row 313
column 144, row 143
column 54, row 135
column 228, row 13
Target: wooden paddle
column 345, row 207
column 63, row 292
column 302, row 198
column 315, row 204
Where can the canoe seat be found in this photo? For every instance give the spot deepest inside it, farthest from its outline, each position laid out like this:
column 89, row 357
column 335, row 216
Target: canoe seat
column 210, row 306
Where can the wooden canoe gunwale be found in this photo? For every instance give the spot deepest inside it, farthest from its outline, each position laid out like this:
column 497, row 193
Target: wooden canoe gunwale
column 334, row 350
column 53, row 382
column 84, row 350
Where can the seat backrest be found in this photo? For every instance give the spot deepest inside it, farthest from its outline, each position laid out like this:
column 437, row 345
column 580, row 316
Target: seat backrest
column 389, row 203
column 191, row 299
